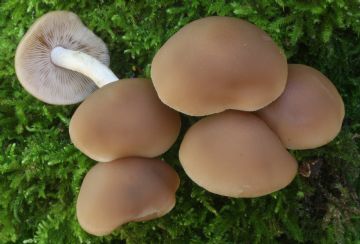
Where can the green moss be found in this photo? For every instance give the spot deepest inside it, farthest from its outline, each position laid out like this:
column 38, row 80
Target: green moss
column 40, row 171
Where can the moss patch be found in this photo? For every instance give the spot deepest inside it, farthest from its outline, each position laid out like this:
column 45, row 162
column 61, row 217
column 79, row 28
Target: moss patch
column 41, row 172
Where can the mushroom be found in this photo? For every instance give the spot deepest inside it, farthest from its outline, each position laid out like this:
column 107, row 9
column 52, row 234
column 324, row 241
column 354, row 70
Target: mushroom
column 125, row 190
column 59, row 59
column 218, row 63
column 123, row 119
column 236, row 154
column 309, row 113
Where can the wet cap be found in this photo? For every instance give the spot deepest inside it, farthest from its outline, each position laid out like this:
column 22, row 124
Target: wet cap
column 124, row 119
column 236, row 154
column 126, row 190
column 219, row 63
column 309, row 113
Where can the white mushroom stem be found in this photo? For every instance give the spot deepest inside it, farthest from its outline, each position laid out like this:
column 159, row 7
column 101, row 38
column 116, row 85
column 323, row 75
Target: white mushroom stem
column 84, row 64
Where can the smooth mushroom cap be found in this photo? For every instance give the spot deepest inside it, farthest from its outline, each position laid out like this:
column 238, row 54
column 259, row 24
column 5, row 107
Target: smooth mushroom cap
column 236, row 154
column 124, row 119
column 219, row 63
column 309, row 113
column 125, row 190
column 39, row 76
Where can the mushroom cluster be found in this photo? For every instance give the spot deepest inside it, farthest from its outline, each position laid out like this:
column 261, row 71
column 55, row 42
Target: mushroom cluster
column 256, row 106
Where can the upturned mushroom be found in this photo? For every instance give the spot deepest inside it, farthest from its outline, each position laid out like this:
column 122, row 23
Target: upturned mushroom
column 123, row 119
column 309, row 113
column 219, row 63
column 236, row 154
column 126, row 190
column 59, row 59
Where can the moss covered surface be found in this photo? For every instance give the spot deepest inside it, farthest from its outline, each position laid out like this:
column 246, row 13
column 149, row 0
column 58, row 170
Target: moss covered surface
column 40, row 171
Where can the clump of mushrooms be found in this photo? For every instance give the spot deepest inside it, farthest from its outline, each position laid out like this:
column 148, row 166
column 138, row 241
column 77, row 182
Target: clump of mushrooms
column 223, row 67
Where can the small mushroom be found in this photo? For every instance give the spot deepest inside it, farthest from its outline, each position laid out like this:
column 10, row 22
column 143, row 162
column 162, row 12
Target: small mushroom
column 125, row 190
column 218, row 63
column 309, row 113
column 59, row 59
column 236, row 154
column 123, row 119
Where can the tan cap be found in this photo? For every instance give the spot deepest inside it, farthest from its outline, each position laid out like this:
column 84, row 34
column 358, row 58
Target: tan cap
column 309, row 113
column 236, row 154
column 39, row 75
column 125, row 190
column 123, row 119
column 219, row 63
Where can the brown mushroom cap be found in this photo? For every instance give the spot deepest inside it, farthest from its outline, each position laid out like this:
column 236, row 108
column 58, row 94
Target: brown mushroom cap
column 309, row 113
column 34, row 69
column 219, row 63
column 123, row 119
column 236, row 154
column 125, row 190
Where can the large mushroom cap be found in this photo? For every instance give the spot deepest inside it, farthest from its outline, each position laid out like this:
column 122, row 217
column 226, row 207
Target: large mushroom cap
column 121, row 191
column 236, row 154
column 309, row 113
column 39, row 76
column 123, row 119
column 219, row 63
